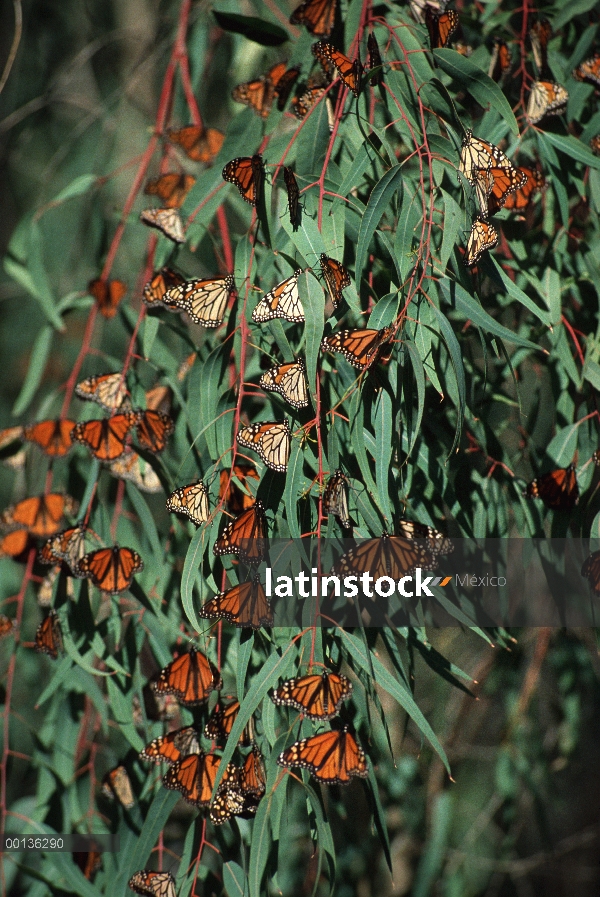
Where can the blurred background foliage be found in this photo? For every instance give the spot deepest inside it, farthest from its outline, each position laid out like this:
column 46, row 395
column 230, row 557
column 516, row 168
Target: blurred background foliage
column 520, row 815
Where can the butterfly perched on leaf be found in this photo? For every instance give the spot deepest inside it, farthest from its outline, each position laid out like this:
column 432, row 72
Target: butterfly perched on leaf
column 48, row 636
column 247, row 173
column 190, row 678
column 107, row 390
column 40, row 515
column 335, row 498
column 105, row 438
column 171, row 188
column 558, row 489
column 533, row 182
column 244, row 605
column 375, row 60
column 168, row 221
column 221, row 721
column 483, row 236
column 478, row 156
column 69, row 546
column 293, row 194
column 173, row 746
column 132, row 467
column 155, row 290
column 289, row 380
column 317, row 15
column 303, row 103
column 232, row 800
column 198, row 143
column 591, row 570
column 153, row 884
column 539, row 35
column 331, row 757
column 111, row 569
column 500, row 62
column 546, row 98
column 205, row 301
column 194, row 776
column 52, row 436
column 271, row 440
column 350, row 71
column 108, row 294
column 246, row 536
column 336, row 278
column 437, row 542
column 260, row 92
column 318, row 696
column 236, row 499
column 283, row 301
column 441, row 26
column 153, row 428
column 192, row 501
column 362, row 348
column 89, row 861
column 494, row 185
column 116, row 783
column 394, row 556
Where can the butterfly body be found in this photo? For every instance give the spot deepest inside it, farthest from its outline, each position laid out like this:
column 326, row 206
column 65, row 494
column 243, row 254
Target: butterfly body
column 247, row 173
column 108, row 294
column 194, row 776
column 293, row 193
column 335, row 498
column 111, row 569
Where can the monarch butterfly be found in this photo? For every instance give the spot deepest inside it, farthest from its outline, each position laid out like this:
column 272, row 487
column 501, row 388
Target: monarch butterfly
column 392, row 556
column 111, row 569
column 437, row 542
column 153, row 428
column 10, row 435
column 205, row 301
column 546, row 98
column 52, row 436
column 316, row 696
column 350, row 71
column 253, row 778
column 418, row 7
column 230, row 801
column 304, row 103
column 153, row 884
column 283, row 301
column 336, row 278
column 591, row 570
column 221, row 722
column 236, row 500
column 247, row 173
column 192, row 501
column 6, row 625
column 198, row 143
column 375, row 60
column 501, row 59
column 13, row 544
column 168, row 221
column 331, row 757
column 172, row 188
column 494, row 186
column 335, row 498
column 40, row 515
column 159, row 398
column 478, row 156
column 317, row 15
column 259, row 93
column 289, row 380
column 441, row 26
column 48, row 636
column 173, row 746
column 89, row 861
column 520, row 198
column 595, row 145
column 69, row 546
column 270, row 440
column 284, row 86
column 154, row 291
column 134, row 468
column 106, row 390
column 190, row 677
column 463, row 49
column 194, row 776
column 293, row 194
column 107, row 294
column 589, row 70
column 481, row 238
column 245, row 605
column 116, row 783
column 362, row 348
column 558, row 489
column 105, row 438
column 245, row 536
column 539, row 35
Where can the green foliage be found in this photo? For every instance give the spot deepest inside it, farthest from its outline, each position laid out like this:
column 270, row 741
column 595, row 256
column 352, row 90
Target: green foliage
column 491, row 379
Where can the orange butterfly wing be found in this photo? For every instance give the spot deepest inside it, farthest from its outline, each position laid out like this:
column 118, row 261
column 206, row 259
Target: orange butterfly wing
column 107, row 390
column 350, row 71
column 483, row 236
column 153, row 884
column 153, row 428
column 13, row 544
column 244, row 605
column 111, row 569
column 194, row 776
column 245, row 536
column 317, row 15
column 172, row 188
column 558, row 489
column 6, row 625
column 199, row 144
column 52, row 436
column 162, row 281
column 336, row 278
column 48, row 637
column 521, row 197
column 221, row 722
column 230, row 493
column 105, row 438
column 40, row 515
column 441, row 26
column 331, row 757
column 190, row 677
column 253, row 777
column 318, row 697
column 107, row 294
column 172, row 747
column 591, row 570
column 362, row 348
column 247, row 173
